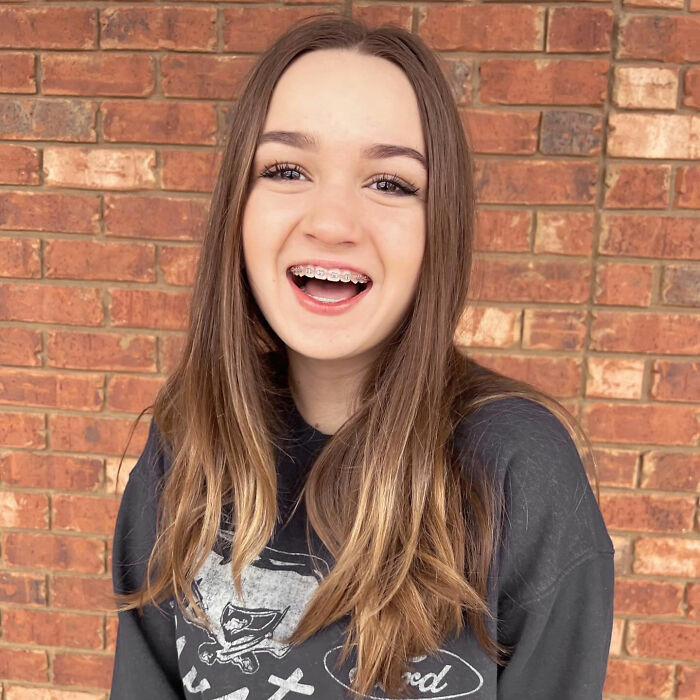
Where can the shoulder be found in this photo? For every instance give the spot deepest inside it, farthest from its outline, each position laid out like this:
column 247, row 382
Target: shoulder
column 153, row 462
column 552, row 519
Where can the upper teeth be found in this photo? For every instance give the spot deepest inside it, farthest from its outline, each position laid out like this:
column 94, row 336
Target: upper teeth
column 335, row 274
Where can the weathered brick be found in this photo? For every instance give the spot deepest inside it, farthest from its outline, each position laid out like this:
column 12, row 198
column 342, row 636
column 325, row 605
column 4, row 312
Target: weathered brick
column 645, row 332
column 543, row 81
column 63, row 552
column 179, row 264
column 23, row 510
column 503, row 230
column 483, row 326
column 379, row 13
column 155, row 217
column 53, row 390
column 645, row 424
column 459, row 72
column 48, row 471
column 86, row 514
column 633, row 186
column 616, row 637
column 47, row 120
column 681, row 285
column 188, row 170
column 19, row 165
column 204, row 77
column 691, row 87
column 149, row 309
column 688, row 187
column 501, row 132
column 624, row 284
column 650, row 236
column 23, row 588
column 628, row 677
column 24, row 665
column 617, row 468
column 660, row 37
column 535, row 181
column 17, row 73
column 177, row 28
column 93, row 593
column 171, row 349
column 672, row 471
column 127, row 393
column 52, row 628
column 641, row 597
column 614, row 377
column 667, row 556
column 564, row 232
column 100, row 168
column 647, row 513
column 49, row 211
column 48, row 27
column 662, row 4
column 549, row 329
column 37, row 303
column 571, row 133
column 20, row 347
column 645, row 87
column 92, row 434
column 664, row 640
column 159, row 122
column 579, row 29
column 101, row 351
column 25, row 430
column 654, row 136
column 97, row 74
column 674, row 380
column 81, row 670
column 462, row 28
column 688, row 687
column 19, row 257
column 95, row 260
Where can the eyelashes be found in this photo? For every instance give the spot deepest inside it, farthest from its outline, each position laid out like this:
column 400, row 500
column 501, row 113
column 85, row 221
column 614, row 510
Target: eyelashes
column 404, row 188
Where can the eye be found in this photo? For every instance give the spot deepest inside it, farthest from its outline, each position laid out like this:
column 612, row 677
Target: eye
column 401, row 187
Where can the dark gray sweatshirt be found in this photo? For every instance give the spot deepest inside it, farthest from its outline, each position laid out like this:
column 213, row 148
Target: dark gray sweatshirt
column 550, row 585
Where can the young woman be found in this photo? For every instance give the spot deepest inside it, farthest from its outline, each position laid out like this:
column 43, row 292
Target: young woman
column 333, row 499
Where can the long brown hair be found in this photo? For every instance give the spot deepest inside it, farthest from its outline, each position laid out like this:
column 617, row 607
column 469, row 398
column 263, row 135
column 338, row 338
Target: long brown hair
column 412, row 537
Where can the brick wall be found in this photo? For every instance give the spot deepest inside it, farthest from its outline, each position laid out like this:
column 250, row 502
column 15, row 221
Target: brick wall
column 585, row 121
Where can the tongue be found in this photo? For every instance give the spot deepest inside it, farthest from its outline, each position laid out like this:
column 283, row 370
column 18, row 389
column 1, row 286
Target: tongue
column 330, row 290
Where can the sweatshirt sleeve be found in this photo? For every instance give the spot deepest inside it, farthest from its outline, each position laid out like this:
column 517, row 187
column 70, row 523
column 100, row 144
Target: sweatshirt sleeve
column 145, row 660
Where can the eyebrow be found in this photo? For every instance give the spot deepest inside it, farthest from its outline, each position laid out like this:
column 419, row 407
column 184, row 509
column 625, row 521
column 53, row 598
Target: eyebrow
column 300, row 139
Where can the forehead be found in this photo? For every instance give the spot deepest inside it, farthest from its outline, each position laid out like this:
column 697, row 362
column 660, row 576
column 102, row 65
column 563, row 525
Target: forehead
column 346, row 97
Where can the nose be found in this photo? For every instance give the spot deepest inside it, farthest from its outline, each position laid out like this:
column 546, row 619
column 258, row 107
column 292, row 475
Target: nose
column 332, row 216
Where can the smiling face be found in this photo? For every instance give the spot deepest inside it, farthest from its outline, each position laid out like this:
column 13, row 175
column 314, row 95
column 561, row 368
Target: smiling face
column 335, row 203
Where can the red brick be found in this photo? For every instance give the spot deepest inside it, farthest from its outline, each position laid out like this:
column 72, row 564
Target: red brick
column 660, row 37
column 654, row 136
column 503, row 230
column 564, row 232
column 643, row 424
column 97, row 74
column 171, row 349
column 17, row 73
column 48, row 211
column 19, row 165
column 548, row 329
column 22, row 589
column 681, row 285
column 645, row 598
column 650, row 236
column 646, row 513
column 159, row 122
column 64, row 552
column 20, row 346
column 459, row 72
column 667, row 556
column 130, row 394
column 483, row 326
column 672, row 471
column 155, row 217
column 618, row 468
column 178, row 28
column 662, row 4
column 691, row 87
column 645, row 87
column 47, row 120
column 631, row 186
column 179, row 264
column 378, row 13
column 675, row 381
column 571, row 133
column 624, row 284
column 501, row 132
column 664, row 640
column 614, row 377
column 693, row 601
column 75, row 433
column 48, row 28
column 628, row 677
column 19, row 257
column 253, row 29
column 149, row 309
column 111, row 629
column 48, row 471
column 94, row 594
column 24, row 430
column 689, row 677
column 499, row 27
column 186, row 170
column 83, row 513
column 52, row 628
column 535, row 181
column 83, row 670
column 688, row 187
column 579, row 29
column 204, row 77
column 36, row 303
column 543, row 81
column 24, row 510
column 638, row 332
column 24, row 665
column 101, row 351
column 52, row 390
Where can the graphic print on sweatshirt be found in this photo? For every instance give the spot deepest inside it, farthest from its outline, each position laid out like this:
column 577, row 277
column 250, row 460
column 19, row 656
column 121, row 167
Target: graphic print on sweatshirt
column 244, row 656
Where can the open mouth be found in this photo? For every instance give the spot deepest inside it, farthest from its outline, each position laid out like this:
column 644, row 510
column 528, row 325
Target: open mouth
column 328, row 290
